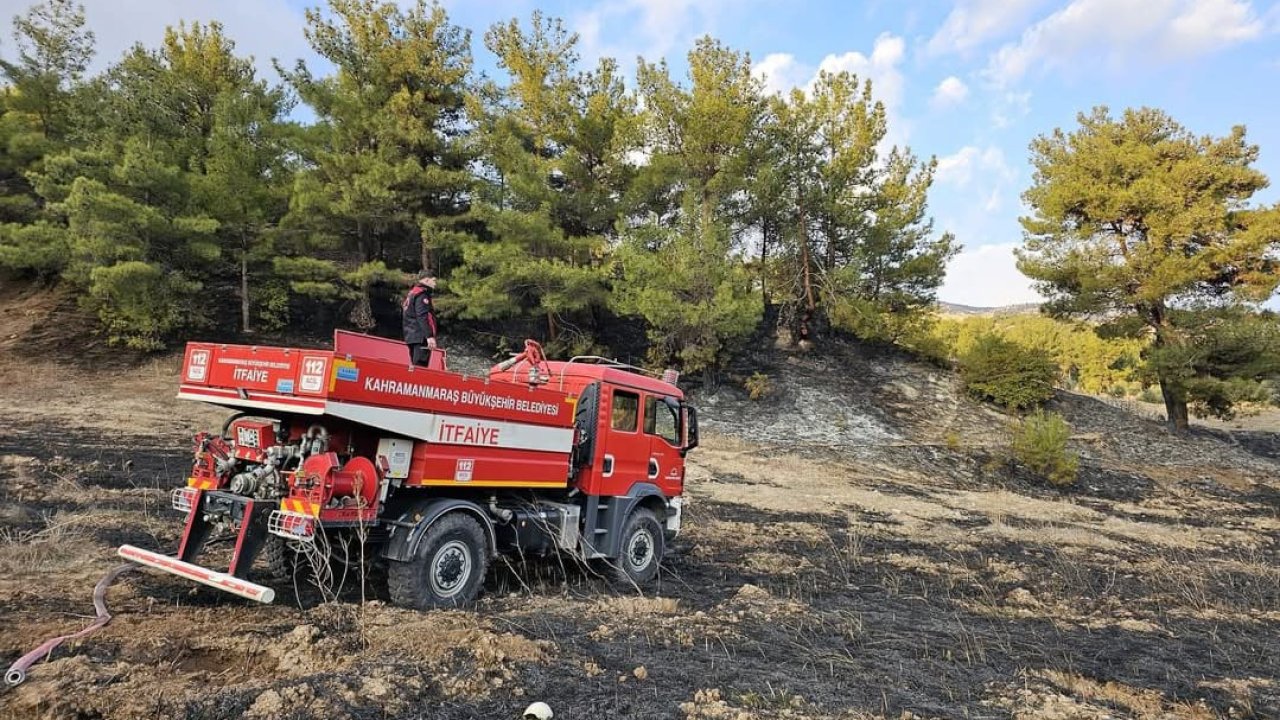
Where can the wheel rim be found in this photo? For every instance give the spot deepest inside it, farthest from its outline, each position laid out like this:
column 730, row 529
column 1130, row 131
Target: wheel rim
column 639, row 552
column 450, row 569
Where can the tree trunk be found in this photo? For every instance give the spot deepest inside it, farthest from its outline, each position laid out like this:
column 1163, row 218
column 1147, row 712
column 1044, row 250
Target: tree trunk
column 810, row 305
column 764, row 257
column 428, row 253
column 362, row 243
column 831, row 247
column 244, row 286
column 1175, row 407
column 1175, row 400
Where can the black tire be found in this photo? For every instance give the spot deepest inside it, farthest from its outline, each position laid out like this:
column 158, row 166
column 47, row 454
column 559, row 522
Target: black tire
column 641, row 550
column 279, row 561
column 448, row 569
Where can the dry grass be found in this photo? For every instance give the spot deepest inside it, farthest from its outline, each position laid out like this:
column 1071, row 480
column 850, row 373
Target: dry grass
column 58, row 546
column 141, row 399
column 1138, row 703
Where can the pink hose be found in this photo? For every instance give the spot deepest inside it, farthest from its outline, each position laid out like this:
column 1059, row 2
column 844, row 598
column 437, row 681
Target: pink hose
column 18, row 671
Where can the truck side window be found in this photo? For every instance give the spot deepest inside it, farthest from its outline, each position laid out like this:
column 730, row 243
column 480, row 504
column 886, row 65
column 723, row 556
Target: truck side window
column 626, row 411
column 660, row 420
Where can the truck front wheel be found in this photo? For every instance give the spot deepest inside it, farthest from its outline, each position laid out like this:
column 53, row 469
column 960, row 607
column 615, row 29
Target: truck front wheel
column 642, row 549
column 448, row 568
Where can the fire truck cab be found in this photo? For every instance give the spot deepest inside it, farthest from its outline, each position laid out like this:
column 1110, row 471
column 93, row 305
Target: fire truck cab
column 436, row 471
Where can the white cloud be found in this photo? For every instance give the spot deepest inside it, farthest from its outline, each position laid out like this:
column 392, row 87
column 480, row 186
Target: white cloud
column 994, row 201
column 882, row 67
column 951, row 91
column 957, row 168
column 261, row 28
column 1210, row 24
column 974, row 22
column 1010, row 108
column 987, row 276
column 1123, row 32
column 987, row 164
column 649, row 28
column 781, row 72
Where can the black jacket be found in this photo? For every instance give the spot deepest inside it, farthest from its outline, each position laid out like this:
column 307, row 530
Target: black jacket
column 419, row 315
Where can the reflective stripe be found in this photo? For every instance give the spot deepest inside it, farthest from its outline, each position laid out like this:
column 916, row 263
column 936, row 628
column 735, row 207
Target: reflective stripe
column 493, row 483
column 300, row 506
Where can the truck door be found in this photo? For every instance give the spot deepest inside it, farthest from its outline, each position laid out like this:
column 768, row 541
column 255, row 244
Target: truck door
column 626, row 449
column 662, row 426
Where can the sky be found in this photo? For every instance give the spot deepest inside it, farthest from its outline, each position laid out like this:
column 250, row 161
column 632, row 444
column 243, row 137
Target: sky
column 970, row 82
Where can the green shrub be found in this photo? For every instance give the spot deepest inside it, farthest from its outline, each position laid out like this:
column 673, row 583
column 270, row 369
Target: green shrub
column 1041, row 445
column 933, row 348
column 141, row 303
column 757, row 385
column 1007, row 374
column 952, row 440
column 1151, row 394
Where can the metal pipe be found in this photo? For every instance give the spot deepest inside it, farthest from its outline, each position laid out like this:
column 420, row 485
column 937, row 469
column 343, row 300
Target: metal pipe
column 502, row 514
column 212, row 578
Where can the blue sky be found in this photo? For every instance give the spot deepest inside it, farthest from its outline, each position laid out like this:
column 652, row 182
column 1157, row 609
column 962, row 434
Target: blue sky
column 970, row 82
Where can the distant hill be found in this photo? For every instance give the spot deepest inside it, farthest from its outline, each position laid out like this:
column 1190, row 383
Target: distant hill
column 947, row 308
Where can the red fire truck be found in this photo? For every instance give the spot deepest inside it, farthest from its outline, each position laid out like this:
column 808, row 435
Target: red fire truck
column 439, row 472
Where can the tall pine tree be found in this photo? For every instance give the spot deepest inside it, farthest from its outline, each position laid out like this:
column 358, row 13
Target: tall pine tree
column 555, row 145
column 1138, row 220
column 43, row 107
column 389, row 164
column 146, row 227
column 679, row 263
column 852, row 240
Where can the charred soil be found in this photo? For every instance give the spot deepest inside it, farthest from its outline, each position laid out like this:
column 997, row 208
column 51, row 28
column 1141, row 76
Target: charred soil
column 857, row 545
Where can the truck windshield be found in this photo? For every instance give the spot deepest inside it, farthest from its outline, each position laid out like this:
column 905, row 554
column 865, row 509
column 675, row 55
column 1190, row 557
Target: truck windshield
column 661, row 420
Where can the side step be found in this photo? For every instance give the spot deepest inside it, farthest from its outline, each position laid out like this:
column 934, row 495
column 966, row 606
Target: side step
column 221, row 581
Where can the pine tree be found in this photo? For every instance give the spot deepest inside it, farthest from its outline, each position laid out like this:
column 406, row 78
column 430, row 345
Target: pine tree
column 54, row 51
column 1140, row 220
column 679, row 265
column 388, row 160
column 555, row 142
column 40, row 110
column 151, row 202
column 852, row 239
column 245, row 187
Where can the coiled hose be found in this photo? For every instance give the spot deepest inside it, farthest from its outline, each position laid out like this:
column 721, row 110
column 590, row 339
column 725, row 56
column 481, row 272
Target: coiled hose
column 18, row 670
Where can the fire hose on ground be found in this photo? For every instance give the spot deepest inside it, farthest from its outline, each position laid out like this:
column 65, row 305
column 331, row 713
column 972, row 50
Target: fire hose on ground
column 18, row 670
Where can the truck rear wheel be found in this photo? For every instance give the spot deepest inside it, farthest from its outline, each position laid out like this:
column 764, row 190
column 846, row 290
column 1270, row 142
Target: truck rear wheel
column 278, row 559
column 642, row 549
column 448, row 568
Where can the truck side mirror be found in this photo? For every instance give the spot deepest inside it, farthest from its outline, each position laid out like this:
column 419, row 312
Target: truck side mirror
column 690, row 417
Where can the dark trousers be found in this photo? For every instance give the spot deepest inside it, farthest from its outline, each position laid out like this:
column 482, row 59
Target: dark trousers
column 419, row 354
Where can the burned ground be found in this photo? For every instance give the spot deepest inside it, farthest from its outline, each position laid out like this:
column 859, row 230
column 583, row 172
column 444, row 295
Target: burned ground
column 857, row 545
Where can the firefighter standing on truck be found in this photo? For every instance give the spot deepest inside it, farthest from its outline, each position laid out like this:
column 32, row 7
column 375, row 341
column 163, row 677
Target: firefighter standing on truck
column 420, row 319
